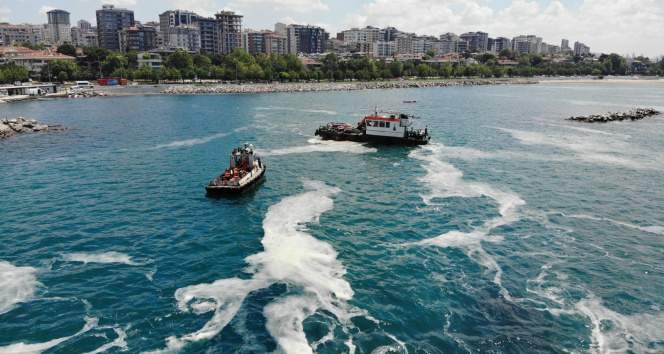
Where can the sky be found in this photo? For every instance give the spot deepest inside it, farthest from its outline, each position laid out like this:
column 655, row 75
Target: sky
column 622, row 26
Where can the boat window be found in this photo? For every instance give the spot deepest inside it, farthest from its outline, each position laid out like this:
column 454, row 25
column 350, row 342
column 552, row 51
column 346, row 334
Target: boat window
column 370, row 123
column 382, row 124
column 387, row 124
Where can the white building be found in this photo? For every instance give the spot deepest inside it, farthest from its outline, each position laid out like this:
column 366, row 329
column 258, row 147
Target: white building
column 151, row 60
column 363, row 35
column 384, row 49
column 527, row 44
column 183, row 37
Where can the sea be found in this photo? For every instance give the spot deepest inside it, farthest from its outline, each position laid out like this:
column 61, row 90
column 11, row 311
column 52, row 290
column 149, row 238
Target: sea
column 513, row 231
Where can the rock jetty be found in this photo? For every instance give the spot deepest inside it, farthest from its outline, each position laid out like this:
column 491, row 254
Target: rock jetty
column 332, row 86
column 637, row 114
column 21, row 125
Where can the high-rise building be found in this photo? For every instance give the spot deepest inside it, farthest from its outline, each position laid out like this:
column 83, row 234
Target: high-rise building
column 404, row 43
column 16, row 34
column 110, row 22
column 581, row 49
column 171, row 24
column 500, row 44
column 175, row 18
column 363, row 35
column 209, row 35
column 267, row 42
column 58, row 28
column 450, row 43
column 84, row 38
column 420, row 45
column 389, row 34
column 384, row 49
column 184, row 37
column 529, row 44
column 306, row 39
column 564, row 45
column 477, row 41
column 138, row 38
column 229, row 31
column 84, row 25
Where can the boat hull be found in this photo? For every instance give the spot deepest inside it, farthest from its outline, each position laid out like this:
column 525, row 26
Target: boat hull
column 220, row 191
column 376, row 139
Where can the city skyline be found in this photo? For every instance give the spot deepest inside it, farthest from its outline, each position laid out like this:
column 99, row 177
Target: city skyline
column 637, row 28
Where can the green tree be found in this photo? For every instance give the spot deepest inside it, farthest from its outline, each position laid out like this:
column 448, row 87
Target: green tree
column 61, row 70
column 132, row 59
column 423, row 70
column 113, row 62
column 330, row 65
column 180, row 60
column 202, row 61
column 10, row 73
column 396, row 68
column 67, row 49
column 614, row 64
column 506, row 53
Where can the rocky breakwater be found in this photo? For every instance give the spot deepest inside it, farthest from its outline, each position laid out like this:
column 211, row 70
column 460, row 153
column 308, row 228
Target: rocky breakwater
column 332, row 86
column 20, row 125
column 637, row 114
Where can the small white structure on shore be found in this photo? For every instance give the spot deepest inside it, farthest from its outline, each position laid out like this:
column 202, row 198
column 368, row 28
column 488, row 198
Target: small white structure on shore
column 28, row 89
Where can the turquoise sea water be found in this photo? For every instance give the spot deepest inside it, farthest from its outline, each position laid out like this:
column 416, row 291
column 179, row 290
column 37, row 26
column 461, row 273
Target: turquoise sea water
column 515, row 231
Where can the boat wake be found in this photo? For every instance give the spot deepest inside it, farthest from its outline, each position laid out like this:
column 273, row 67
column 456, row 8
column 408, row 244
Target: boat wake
column 119, row 342
column 590, row 149
column 197, row 141
column 35, row 348
column 320, row 111
column 654, row 229
column 103, row 258
column 292, row 256
column 613, row 332
column 445, row 181
column 17, row 284
column 318, row 145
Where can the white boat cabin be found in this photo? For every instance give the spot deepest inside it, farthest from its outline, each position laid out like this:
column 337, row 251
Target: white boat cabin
column 389, row 126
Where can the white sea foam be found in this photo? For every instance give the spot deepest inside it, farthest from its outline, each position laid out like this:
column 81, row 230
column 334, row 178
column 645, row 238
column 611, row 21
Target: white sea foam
column 291, row 256
column 588, row 130
column 36, row 348
column 654, row 229
column 119, row 342
column 550, row 286
column 197, row 141
column 470, row 154
column 445, row 181
column 397, row 347
column 613, row 332
column 17, row 284
column 321, row 111
column 318, row 145
column 591, row 149
column 104, row 258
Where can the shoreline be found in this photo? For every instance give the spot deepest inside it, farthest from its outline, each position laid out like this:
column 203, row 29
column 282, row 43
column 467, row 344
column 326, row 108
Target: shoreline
column 220, row 89
column 276, row 87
